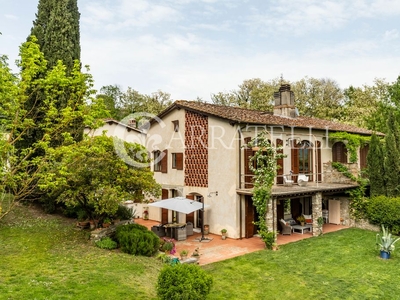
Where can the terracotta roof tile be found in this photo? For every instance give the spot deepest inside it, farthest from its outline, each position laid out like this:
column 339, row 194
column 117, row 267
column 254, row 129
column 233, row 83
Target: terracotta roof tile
column 242, row 115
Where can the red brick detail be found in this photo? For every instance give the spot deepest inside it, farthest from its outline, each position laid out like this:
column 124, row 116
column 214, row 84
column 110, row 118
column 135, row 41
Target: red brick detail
column 196, row 149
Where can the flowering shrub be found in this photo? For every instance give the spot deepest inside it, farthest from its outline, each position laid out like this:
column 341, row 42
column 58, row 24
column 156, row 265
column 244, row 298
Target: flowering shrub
column 168, row 244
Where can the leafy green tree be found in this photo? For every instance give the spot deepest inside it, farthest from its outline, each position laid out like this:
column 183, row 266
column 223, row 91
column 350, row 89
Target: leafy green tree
column 133, row 101
column 319, row 98
column 112, row 98
column 98, row 173
column 20, row 169
column 376, row 170
column 56, row 31
column 360, row 105
column 122, row 104
column 253, row 94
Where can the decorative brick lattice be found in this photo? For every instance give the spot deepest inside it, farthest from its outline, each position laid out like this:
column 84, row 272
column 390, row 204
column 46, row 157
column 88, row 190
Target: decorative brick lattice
column 196, row 149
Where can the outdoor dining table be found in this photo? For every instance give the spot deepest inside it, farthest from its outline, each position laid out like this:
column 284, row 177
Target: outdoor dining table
column 172, row 230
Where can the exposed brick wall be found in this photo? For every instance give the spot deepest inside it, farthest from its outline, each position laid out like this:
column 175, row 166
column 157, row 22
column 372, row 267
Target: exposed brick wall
column 196, row 149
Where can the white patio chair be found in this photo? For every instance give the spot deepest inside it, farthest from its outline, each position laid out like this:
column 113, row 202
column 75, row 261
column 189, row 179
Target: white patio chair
column 302, row 180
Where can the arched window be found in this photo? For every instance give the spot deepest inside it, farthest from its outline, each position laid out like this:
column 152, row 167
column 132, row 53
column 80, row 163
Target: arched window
column 339, row 152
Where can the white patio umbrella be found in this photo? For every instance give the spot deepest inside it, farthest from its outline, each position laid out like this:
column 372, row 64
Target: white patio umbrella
column 180, row 204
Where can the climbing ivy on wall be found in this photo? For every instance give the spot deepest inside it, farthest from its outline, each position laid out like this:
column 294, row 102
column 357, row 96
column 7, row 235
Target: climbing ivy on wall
column 357, row 195
column 352, row 142
column 264, row 167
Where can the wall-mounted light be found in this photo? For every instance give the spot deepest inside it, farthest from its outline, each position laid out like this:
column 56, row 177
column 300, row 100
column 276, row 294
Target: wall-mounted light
column 210, row 193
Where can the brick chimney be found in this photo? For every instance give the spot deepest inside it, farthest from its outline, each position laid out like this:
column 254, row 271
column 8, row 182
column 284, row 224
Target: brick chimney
column 132, row 123
column 284, row 102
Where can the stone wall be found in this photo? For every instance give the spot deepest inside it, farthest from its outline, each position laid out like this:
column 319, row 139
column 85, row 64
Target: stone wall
column 317, row 212
column 364, row 224
column 99, row 233
column 345, row 211
column 331, row 175
column 271, row 213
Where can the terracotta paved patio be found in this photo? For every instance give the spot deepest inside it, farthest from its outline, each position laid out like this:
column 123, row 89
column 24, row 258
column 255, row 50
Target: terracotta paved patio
column 218, row 249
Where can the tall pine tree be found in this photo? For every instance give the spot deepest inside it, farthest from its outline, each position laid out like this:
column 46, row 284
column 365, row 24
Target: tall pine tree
column 376, row 169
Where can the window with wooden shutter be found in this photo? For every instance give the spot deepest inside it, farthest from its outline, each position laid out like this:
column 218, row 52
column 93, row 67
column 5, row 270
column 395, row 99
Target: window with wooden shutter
column 279, row 162
column 177, row 161
column 248, row 174
column 164, row 162
column 339, row 152
column 363, row 156
column 157, row 161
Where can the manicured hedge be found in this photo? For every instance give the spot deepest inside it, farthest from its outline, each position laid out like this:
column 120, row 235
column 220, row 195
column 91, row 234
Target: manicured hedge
column 183, row 282
column 384, row 210
column 137, row 240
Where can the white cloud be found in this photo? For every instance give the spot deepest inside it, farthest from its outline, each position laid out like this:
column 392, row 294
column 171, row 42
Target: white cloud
column 11, row 17
column 390, row 35
column 124, row 14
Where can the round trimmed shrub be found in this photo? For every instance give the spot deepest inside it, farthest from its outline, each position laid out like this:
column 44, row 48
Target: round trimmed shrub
column 183, row 282
column 137, row 240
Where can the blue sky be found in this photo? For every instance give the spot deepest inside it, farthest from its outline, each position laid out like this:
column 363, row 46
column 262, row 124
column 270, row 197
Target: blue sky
column 192, row 48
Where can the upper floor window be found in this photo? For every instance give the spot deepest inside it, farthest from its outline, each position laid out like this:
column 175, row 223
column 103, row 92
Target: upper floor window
column 177, row 161
column 302, row 158
column 161, row 161
column 175, row 123
column 339, row 152
column 157, row 161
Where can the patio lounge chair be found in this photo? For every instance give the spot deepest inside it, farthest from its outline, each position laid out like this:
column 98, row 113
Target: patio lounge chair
column 286, row 228
column 302, row 180
column 287, row 180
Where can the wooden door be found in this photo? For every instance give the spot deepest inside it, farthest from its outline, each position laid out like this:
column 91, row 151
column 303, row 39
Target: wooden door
column 164, row 211
column 249, row 217
column 190, row 217
column 334, row 211
column 296, row 208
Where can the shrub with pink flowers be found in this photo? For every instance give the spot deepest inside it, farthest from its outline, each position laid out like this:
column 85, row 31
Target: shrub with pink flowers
column 168, row 244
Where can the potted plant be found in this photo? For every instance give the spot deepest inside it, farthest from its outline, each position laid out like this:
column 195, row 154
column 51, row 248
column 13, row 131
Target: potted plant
column 385, row 242
column 145, row 213
column 196, row 254
column 301, row 219
column 224, row 232
column 184, row 253
column 106, row 222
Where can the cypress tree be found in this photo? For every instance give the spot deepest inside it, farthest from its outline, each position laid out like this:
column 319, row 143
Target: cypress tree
column 376, row 171
column 392, row 152
column 57, row 29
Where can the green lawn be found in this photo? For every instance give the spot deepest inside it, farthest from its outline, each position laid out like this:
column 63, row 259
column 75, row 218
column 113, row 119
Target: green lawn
column 45, row 257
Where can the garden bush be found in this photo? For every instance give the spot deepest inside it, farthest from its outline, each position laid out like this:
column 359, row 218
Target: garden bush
column 125, row 213
column 106, row 243
column 137, row 240
column 384, row 210
column 183, row 282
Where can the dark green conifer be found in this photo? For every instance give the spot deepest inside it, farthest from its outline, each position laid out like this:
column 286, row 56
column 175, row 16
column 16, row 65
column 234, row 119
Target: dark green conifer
column 376, row 171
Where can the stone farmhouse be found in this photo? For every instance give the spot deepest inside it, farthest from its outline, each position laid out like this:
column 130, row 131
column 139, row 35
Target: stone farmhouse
column 199, row 152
